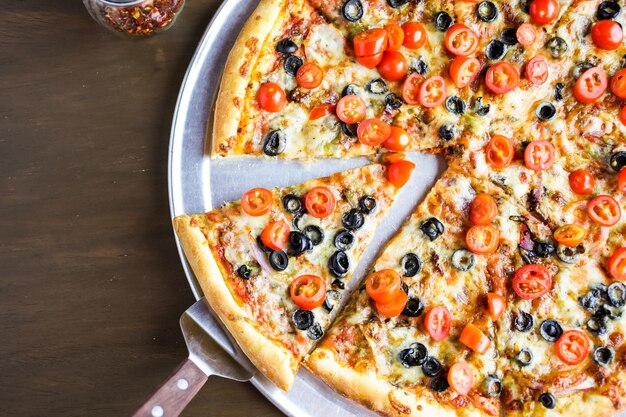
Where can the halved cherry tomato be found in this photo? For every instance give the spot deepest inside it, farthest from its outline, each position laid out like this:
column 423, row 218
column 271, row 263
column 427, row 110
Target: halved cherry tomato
column 463, row 69
column 373, row 132
column 414, row 35
column 391, row 157
column 393, row 66
column 482, row 239
column 532, row 281
column 395, row 307
column 604, row 210
column 438, row 322
column 570, row 235
column 310, row 75
column 618, row 83
column 537, row 70
column 433, row 91
column 617, row 264
column 383, row 286
column 271, row 97
column 621, row 181
column 622, row 115
column 496, row 304
column 320, row 202
column 581, row 181
column 461, row 378
column 321, row 111
column 399, row 139
column 572, row 347
column 543, row 11
column 308, row 291
column 475, row 339
column 276, row 235
column 395, row 37
column 257, row 201
column 461, row 40
column 483, row 209
column 399, row 172
column 499, row 151
column 539, row 155
column 411, row 88
column 526, row 34
column 501, row 78
column 370, row 61
column 607, row 34
column 590, row 85
column 351, row 109
column 370, row 42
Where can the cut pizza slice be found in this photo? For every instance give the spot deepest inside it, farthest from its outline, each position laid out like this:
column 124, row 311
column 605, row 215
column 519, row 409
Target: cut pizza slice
column 274, row 264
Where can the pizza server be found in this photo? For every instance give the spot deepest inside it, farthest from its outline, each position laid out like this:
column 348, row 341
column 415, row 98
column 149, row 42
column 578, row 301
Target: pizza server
column 206, row 357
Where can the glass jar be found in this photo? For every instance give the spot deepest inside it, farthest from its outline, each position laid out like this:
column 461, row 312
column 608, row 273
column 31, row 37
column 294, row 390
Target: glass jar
column 135, row 17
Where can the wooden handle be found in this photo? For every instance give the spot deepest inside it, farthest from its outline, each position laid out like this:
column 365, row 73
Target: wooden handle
column 175, row 393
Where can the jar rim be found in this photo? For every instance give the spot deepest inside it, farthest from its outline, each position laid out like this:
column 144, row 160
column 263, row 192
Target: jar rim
column 121, row 2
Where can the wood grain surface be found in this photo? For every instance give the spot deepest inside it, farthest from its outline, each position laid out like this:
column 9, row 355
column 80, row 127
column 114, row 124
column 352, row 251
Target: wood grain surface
column 91, row 285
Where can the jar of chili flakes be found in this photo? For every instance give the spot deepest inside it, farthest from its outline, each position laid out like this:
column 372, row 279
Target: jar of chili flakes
column 135, row 17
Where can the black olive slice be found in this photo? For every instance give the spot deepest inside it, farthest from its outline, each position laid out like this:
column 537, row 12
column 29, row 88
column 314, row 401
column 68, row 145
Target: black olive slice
column 618, row 161
column 443, row 21
column 298, row 243
column 613, row 313
column 279, row 260
column 509, row 36
column 377, row 86
column 339, row 264
column 349, row 130
column 547, row 400
column 569, row 255
column 367, row 204
column 262, row 245
column 353, row 220
column 411, row 265
column 331, row 300
column 524, row 357
column 397, row 3
column 302, row 319
column 480, row 108
column 545, row 111
column 315, row 332
column 420, row 67
column 274, row 143
column 550, row 330
column 589, row 301
column 580, row 69
column 492, row 386
column 608, row 10
column 292, row 203
column 414, row 307
column 495, row 50
column 343, row 240
column 617, row 294
column 557, row 47
column 432, row 228
column 405, row 288
column 292, row 64
column 439, row 383
column 314, row 233
column 523, row 322
column 431, row 366
column 286, row 46
column 544, row 249
column 463, row 260
column 597, row 326
column 393, row 101
column 244, row 272
column 350, row 89
column 455, row 105
column 486, row 11
column 603, row 355
column 414, row 355
column 337, row 283
column 297, row 217
column 352, row 10
column 600, row 291
column 448, row 132
column 558, row 91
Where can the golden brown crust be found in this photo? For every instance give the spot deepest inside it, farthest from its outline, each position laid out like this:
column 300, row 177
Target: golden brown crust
column 274, row 361
column 237, row 72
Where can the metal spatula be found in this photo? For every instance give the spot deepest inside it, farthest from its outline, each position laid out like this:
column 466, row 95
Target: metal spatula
column 206, row 357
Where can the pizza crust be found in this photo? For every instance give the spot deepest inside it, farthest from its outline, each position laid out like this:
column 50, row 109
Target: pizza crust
column 237, row 72
column 276, row 362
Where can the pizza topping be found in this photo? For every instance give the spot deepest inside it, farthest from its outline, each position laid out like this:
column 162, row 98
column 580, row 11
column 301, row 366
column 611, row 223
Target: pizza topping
column 492, row 386
column 377, row 86
column 543, row 11
column 483, row 209
column 596, row 325
column 432, row 91
column 550, row 330
column 352, row 10
column 413, row 308
column 298, row 244
column 438, row 322
column 373, row 132
column 439, row 383
column 590, row 85
column 495, row 50
column 569, row 255
column 482, row 239
column 523, row 322
column 463, row 260
column 320, row 202
column 501, row 78
column 496, row 304
column 302, row 319
column 570, row 235
column 524, row 357
column 353, row 220
column 621, row 180
column 486, row 11
column 369, row 46
column 292, row 64
column 331, row 300
column 398, row 140
column 415, row 355
column 414, row 35
column 411, row 88
column 395, row 37
column 278, row 260
column 455, row 105
column 271, row 97
column 603, row 355
column 509, row 36
column 461, row 40
column 616, row 293
column 461, row 378
column 617, row 264
column 315, row 332
column 547, row 400
column 257, row 201
column 463, row 70
column 475, row 339
column 367, row 204
column 339, row 264
column 275, row 235
column 572, row 347
column 383, row 286
column 399, row 172
column 432, row 228
column 274, row 143
column 539, row 155
column 397, row 3
column 532, row 281
column 499, row 152
column 343, row 240
column 526, row 34
column 537, row 71
column 244, row 272
column 448, row 132
column 443, row 21
column 618, row 161
column 607, row 34
column 431, row 367
column 393, row 66
column 581, row 182
column 545, row 111
column 308, row 291
column 608, row 10
column 558, row 91
column 286, row 46
column 411, row 265
column 544, row 249
column 349, row 130
column 314, row 233
column 604, row 210
column 310, row 75
column 393, row 102
column 337, row 283
column 395, row 307
column 557, row 47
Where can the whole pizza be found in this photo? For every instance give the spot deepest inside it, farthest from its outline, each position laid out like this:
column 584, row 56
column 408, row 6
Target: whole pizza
column 504, row 292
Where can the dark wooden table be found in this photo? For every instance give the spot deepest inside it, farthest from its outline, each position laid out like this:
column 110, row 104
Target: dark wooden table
column 91, row 284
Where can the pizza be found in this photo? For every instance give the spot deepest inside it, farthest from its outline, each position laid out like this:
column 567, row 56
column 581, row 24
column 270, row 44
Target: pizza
column 503, row 293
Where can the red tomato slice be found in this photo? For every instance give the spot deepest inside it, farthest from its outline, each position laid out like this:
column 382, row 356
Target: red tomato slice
column 399, row 139
column 351, row 109
column 461, row 378
column 621, row 181
column 438, row 322
column 617, row 264
column 573, row 347
column 501, row 78
column 373, row 132
column 320, row 202
column 393, row 66
column 399, row 172
column 604, row 210
column 543, row 11
column 370, row 42
column 383, row 286
column 395, row 307
column 395, row 37
column 526, row 34
column 463, row 70
column 537, row 70
column 532, row 281
column 310, row 75
column 411, row 88
column 591, row 85
column 482, row 239
column 499, row 151
column 461, row 40
column 539, row 155
column 257, row 201
column 308, row 291
column 496, row 304
column 320, row 111
column 271, row 97
column 414, row 35
column 276, row 235
column 570, row 235
column 483, row 209
column 607, row 34
column 618, row 83
column 370, row 61
column 475, row 339
column 581, row 182
column 433, row 91
column 622, row 115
